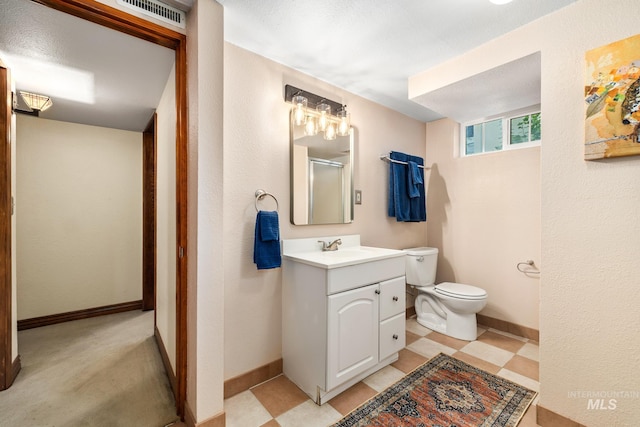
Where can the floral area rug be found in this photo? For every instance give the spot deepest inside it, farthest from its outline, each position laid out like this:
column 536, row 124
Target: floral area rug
column 444, row 392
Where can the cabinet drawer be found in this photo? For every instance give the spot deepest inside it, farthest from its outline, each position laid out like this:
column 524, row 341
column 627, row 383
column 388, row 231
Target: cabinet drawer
column 392, row 336
column 392, row 297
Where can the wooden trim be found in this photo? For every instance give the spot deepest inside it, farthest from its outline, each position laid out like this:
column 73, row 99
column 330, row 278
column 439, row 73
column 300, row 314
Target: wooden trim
column 149, row 214
column 256, row 376
column 165, row 359
column 218, row 420
column 6, row 301
column 512, row 328
column 548, row 418
column 118, row 20
column 52, row 319
column 16, row 366
column 182, row 172
column 94, row 11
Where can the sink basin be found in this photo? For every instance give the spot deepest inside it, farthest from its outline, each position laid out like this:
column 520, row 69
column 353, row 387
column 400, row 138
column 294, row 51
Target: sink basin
column 350, row 267
column 343, row 257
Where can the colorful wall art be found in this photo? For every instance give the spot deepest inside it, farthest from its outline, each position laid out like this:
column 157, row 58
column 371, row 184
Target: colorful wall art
column 612, row 98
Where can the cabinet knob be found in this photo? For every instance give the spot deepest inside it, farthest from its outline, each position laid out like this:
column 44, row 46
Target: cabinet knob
column 377, row 291
column 395, row 298
column 395, row 336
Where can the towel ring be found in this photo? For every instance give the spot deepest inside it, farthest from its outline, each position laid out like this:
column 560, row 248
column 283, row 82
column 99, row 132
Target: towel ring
column 530, row 267
column 261, row 194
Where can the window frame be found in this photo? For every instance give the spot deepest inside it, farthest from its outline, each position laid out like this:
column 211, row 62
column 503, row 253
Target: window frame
column 506, row 132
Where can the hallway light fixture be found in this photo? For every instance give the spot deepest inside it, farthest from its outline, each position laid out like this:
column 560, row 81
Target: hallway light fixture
column 315, row 114
column 35, row 101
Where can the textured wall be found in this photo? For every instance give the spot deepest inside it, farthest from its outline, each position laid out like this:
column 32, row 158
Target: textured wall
column 205, row 252
column 485, row 218
column 256, row 155
column 589, row 229
column 79, row 234
column 166, row 218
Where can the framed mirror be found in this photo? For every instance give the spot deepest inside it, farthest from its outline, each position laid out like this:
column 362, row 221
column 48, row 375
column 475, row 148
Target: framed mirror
column 321, row 177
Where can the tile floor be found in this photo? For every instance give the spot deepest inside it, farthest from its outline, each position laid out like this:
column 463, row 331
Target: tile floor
column 278, row 402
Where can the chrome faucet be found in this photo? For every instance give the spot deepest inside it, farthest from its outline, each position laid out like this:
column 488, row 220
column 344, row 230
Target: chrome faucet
column 333, row 246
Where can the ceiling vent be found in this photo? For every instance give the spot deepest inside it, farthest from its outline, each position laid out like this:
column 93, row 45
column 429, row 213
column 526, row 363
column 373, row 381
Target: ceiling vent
column 157, row 10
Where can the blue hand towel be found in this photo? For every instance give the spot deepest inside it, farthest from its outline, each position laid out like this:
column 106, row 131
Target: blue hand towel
column 266, row 245
column 417, row 205
column 414, row 179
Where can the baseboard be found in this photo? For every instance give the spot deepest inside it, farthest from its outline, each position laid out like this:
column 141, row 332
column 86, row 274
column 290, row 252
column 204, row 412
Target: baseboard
column 512, row 328
column 548, row 418
column 166, row 361
column 215, row 421
column 52, row 319
column 256, row 376
column 410, row 311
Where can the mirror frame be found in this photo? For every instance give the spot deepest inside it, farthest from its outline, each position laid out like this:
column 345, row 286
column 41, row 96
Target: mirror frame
column 348, row 180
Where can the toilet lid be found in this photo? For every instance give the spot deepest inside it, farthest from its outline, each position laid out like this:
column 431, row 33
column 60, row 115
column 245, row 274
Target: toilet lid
column 458, row 290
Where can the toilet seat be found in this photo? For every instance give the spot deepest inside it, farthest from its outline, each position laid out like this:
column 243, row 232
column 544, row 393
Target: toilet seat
column 461, row 291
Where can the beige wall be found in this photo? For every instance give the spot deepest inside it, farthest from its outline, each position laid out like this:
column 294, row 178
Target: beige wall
column 79, row 227
column 589, row 229
column 484, row 219
column 166, row 218
column 256, row 155
column 205, row 253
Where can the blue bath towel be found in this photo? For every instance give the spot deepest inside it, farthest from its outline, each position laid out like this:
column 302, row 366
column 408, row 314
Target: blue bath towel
column 400, row 204
column 266, row 245
column 398, row 194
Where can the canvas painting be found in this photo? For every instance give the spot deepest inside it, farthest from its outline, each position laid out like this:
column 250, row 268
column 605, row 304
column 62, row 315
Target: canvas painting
column 612, row 100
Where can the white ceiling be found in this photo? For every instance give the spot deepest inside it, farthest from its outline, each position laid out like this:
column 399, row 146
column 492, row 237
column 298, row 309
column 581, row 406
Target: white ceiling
column 372, row 47
column 368, row 47
column 94, row 75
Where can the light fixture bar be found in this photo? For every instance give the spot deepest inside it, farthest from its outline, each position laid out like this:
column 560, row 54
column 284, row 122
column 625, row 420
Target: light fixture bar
column 313, row 100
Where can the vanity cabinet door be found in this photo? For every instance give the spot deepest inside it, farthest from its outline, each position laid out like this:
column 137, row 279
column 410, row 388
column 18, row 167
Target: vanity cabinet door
column 352, row 335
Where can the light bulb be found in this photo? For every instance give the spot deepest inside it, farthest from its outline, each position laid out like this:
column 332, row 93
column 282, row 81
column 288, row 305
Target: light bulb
column 323, row 120
column 330, row 132
column 310, row 126
column 300, row 109
column 345, row 122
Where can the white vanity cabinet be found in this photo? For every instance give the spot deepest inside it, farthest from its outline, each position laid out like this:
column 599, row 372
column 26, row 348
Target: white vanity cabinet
column 342, row 320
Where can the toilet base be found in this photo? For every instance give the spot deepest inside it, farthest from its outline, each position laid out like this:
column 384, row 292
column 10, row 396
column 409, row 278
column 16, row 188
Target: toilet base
column 465, row 327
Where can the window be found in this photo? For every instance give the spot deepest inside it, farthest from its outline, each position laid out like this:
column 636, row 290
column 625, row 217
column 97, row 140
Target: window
column 517, row 129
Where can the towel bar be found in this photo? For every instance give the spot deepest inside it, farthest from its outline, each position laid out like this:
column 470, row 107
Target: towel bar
column 386, row 158
column 261, row 194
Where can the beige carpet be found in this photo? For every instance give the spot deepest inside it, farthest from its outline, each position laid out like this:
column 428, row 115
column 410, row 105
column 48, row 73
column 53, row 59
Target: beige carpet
column 104, row 371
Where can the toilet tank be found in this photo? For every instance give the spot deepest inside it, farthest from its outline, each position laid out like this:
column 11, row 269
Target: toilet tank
column 420, row 266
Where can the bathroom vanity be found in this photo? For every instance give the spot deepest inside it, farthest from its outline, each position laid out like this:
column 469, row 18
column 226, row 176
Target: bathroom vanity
column 343, row 313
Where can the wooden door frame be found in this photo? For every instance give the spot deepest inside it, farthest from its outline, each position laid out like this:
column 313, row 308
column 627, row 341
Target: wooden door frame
column 8, row 367
column 149, row 214
column 115, row 19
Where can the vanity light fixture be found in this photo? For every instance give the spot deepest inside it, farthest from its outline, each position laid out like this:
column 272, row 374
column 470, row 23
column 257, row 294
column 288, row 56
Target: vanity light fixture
column 35, row 101
column 314, row 113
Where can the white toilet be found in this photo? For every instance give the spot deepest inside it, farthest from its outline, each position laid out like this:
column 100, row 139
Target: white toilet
column 448, row 308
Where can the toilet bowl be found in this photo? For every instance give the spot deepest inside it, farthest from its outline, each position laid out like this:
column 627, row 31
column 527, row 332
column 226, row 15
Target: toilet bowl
column 449, row 308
